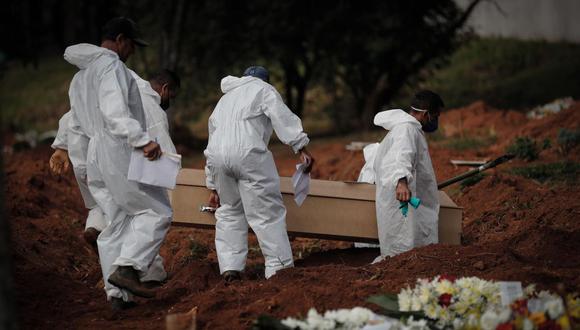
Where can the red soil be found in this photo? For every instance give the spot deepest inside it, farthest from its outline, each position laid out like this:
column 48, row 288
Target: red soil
column 513, row 229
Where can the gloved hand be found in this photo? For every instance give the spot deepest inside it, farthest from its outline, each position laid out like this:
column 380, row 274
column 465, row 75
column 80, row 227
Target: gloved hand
column 414, row 201
column 59, row 162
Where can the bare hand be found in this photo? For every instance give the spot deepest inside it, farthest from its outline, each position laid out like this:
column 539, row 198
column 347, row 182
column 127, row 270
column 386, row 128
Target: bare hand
column 307, row 158
column 214, row 199
column 402, row 193
column 152, row 150
column 59, row 162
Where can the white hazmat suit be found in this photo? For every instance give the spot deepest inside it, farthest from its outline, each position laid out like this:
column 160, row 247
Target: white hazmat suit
column 107, row 108
column 76, row 145
column 403, row 153
column 242, row 170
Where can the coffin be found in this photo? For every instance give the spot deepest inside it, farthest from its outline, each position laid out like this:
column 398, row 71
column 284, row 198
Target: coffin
column 333, row 209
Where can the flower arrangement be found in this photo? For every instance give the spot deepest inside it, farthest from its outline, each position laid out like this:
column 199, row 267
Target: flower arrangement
column 447, row 299
column 542, row 311
column 444, row 302
column 355, row 318
column 472, row 303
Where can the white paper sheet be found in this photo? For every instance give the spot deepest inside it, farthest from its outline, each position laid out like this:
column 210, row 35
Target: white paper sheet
column 161, row 172
column 301, row 184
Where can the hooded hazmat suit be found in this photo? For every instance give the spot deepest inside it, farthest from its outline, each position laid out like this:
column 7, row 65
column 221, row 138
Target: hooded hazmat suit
column 76, row 144
column 242, row 170
column 107, row 108
column 403, row 153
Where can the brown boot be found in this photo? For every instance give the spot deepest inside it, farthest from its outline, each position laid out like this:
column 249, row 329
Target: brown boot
column 125, row 277
column 90, row 235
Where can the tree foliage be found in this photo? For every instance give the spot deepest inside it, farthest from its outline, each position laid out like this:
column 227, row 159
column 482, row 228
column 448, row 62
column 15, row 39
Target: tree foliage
column 372, row 47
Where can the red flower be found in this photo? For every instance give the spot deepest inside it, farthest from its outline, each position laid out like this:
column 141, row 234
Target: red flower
column 505, row 326
column 520, row 306
column 550, row 325
column 445, row 299
column 450, row 278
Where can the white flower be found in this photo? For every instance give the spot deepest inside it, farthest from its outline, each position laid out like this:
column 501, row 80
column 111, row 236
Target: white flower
column 358, row 316
column 528, row 324
column 416, row 325
column 432, row 311
column 416, row 303
column 489, row 320
column 424, row 295
column 529, row 290
column 404, row 299
column 472, row 321
column 316, row 321
column 445, row 286
column 458, row 324
column 504, row 315
column 295, row 324
column 555, row 308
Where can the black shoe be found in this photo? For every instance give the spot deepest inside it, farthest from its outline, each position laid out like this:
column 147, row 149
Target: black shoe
column 232, row 275
column 118, row 304
column 125, row 277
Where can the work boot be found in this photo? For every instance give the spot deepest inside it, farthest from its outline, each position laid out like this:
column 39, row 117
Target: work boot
column 118, row 304
column 90, row 235
column 125, row 277
column 232, row 275
column 152, row 284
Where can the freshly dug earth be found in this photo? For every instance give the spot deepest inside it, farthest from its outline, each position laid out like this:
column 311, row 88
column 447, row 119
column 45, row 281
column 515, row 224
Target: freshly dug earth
column 513, row 229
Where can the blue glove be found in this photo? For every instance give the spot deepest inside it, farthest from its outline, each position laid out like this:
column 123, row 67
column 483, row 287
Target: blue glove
column 414, row 201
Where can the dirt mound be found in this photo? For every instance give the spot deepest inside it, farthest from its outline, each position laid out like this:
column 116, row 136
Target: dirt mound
column 479, row 118
column 513, row 229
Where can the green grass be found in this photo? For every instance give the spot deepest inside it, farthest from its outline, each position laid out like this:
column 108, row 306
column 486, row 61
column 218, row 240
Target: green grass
column 508, row 73
column 469, row 143
column 34, row 99
column 197, row 250
column 559, row 172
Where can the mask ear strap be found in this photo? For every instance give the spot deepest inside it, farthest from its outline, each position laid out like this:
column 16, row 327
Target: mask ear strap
column 416, row 109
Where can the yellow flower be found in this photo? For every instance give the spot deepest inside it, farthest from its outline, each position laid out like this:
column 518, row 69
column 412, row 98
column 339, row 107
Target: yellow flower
column 573, row 306
column 564, row 322
column 537, row 317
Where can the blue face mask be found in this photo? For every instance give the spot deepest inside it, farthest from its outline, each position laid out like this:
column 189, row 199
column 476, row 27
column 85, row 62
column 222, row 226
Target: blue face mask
column 431, row 126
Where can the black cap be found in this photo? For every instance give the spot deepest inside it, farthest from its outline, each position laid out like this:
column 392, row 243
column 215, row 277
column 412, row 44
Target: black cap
column 125, row 26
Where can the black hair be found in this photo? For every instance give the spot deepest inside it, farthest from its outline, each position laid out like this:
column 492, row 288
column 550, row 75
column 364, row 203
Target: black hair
column 168, row 77
column 427, row 100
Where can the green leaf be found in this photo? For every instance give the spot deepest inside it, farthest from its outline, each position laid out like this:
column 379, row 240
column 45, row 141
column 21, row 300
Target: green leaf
column 267, row 322
column 390, row 304
column 388, row 301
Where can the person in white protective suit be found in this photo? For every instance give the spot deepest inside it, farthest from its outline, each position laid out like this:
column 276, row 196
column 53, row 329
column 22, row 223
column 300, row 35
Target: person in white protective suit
column 156, row 96
column 241, row 173
column 403, row 168
column 107, row 108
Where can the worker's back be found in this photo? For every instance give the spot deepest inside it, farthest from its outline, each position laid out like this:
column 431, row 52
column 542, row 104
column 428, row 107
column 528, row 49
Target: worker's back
column 238, row 123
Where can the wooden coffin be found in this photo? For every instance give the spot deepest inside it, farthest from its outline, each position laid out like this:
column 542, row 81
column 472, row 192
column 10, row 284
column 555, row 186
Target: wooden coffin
column 333, row 209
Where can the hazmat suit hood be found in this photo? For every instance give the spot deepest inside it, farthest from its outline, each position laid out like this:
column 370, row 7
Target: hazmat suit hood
column 81, row 55
column 390, row 118
column 230, row 82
